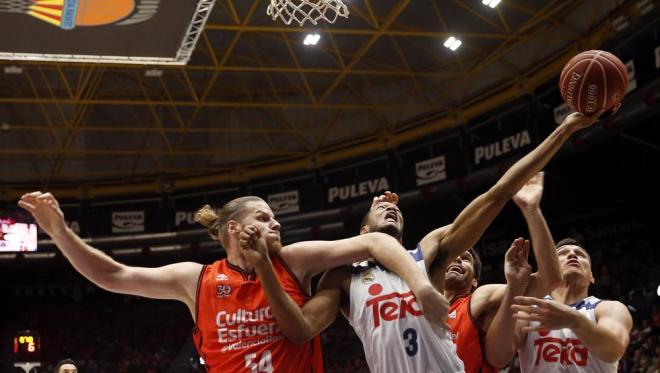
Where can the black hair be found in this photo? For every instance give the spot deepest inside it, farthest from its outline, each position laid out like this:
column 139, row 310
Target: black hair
column 572, row 241
column 62, row 362
column 476, row 266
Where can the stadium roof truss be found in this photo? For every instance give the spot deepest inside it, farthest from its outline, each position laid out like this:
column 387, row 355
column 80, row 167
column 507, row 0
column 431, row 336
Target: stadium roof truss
column 254, row 101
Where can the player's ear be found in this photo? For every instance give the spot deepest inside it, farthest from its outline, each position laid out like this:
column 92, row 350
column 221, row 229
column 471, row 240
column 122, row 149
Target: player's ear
column 233, row 226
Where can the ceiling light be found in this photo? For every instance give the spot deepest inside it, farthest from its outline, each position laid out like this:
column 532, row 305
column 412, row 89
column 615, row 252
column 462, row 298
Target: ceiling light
column 13, row 69
column 491, row 3
column 645, row 6
column 620, row 23
column 312, row 39
column 452, row 43
column 153, row 73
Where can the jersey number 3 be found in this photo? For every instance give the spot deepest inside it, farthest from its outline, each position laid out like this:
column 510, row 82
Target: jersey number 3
column 265, row 364
column 410, row 336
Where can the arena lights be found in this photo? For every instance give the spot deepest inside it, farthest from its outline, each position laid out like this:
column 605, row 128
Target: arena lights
column 13, row 69
column 491, row 3
column 645, row 6
column 312, row 39
column 452, row 43
column 153, row 73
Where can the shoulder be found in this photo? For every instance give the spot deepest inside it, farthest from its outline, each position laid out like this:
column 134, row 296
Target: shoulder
column 609, row 308
column 486, row 297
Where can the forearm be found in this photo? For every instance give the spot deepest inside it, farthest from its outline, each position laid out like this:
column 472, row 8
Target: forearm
column 392, row 256
column 516, row 176
column 288, row 314
column 602, row 342
column 500, row 336
column 548, row 273
column 92, row 263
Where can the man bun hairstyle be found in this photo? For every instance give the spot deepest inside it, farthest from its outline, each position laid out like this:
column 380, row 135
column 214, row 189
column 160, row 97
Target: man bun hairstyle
column 215, row 221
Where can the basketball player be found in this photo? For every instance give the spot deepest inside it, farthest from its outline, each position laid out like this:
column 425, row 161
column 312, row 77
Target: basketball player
column 570, row 331
column 66, row 366
column 235, row 327
column 381, row 308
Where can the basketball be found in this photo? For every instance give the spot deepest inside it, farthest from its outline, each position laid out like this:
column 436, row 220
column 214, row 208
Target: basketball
column 593, row 81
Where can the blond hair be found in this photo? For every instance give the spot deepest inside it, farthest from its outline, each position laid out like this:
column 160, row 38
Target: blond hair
column 216, row 222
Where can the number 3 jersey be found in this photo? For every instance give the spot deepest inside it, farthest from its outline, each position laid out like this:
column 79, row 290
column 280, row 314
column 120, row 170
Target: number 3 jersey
column 236, row 330
column 389, row 321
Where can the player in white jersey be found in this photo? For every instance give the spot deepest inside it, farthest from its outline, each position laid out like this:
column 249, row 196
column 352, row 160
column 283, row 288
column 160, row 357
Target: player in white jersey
column 382, row 308
column 569, row 331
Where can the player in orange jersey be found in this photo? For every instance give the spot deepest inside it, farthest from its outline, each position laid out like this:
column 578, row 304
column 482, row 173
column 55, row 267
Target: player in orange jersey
column 236, row 330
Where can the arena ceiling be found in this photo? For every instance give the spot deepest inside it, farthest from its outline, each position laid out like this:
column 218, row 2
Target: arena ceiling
column 255, row 101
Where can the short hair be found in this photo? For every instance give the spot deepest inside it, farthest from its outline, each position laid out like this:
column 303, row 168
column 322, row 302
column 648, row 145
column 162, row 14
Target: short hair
column 476, row 263
column 365, row 219
column 572, row 241
column 216, row 222
column 62, row 362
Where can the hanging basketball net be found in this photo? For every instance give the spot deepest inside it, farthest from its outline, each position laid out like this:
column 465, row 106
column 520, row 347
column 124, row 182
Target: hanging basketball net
column 302, row 11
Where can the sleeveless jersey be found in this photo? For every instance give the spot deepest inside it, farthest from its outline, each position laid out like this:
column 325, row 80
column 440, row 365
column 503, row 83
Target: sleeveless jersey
column 467, row 336
column 236, row 330
column 389, row 321
column 561, row 350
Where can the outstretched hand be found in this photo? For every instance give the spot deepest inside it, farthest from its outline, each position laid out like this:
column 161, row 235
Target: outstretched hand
column 253, row 244
column 46, row 211
column 516, row 266
column 549, row 314
column 385, row 197
column 577, row 121
column 529, row 196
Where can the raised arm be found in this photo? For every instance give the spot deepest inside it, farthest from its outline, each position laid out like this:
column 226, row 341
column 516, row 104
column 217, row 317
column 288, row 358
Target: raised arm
column 448, row 242
column 176, row 281
column 607, row 338
column 310, row 258
column 548, row 274
column 500, row 338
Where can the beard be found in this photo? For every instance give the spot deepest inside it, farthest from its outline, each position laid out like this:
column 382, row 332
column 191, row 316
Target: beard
column 457, row 282
column 274, row 245
column 389, row 229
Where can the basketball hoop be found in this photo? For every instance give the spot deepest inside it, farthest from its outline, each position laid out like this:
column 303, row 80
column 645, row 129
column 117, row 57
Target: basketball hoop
column 302, row 11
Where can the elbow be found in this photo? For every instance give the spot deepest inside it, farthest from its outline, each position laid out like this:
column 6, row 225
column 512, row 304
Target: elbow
column 500, row 360
column 111, row 280
column 615, row 355
column 299, row 337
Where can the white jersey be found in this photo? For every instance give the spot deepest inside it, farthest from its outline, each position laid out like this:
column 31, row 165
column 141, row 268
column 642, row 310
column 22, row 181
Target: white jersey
column 389, row 321
column 560, row 350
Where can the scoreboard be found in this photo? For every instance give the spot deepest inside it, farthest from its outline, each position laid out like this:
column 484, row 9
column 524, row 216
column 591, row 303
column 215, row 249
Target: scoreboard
column 26, row 346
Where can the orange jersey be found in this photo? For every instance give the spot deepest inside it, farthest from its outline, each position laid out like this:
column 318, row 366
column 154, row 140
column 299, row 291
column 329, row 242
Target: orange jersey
column 467, row 336
column 236, row 330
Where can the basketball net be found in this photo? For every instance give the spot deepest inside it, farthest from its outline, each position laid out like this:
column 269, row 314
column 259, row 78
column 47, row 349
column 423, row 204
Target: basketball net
column 302, row 11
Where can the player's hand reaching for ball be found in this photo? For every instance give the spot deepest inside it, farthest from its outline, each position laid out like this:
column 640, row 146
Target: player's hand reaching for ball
column 253, row 245
column 45, row 210
column 576, row 121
